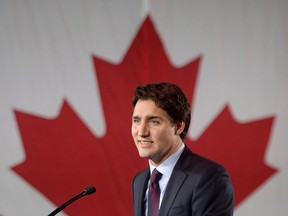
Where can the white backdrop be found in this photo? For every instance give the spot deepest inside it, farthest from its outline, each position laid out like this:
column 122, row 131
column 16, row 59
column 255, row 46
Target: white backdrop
column 45, row 50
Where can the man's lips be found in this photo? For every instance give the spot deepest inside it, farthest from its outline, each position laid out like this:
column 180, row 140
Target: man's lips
column 145, row 143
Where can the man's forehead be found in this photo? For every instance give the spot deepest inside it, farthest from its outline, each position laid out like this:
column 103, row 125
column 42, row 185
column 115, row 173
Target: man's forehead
column 146, row 106
column 148, row 110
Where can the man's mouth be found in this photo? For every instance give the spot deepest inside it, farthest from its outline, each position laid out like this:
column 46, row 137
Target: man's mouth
column 145, row 143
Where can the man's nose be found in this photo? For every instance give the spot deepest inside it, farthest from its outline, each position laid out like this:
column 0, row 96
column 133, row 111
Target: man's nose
column 143, row 130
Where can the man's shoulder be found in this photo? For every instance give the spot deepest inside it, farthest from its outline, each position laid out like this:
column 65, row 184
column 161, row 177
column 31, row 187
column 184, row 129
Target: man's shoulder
column 199, row 163
column 142, row 174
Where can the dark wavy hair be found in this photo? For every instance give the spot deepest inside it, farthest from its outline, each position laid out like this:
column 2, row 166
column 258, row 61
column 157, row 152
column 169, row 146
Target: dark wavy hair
column 170, row 98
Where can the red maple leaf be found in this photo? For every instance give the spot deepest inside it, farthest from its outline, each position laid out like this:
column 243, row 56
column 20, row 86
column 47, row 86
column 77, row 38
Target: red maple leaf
column 63, row 156
column 240, row 147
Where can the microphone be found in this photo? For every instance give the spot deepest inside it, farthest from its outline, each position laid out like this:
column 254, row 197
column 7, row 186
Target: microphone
column 87, row 191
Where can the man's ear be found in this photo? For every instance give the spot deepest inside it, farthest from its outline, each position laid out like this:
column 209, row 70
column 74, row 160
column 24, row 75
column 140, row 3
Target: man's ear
column 179, row 128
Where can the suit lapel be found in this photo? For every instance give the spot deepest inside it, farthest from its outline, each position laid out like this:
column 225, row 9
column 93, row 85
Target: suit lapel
column 140, row 188
column 175, row 183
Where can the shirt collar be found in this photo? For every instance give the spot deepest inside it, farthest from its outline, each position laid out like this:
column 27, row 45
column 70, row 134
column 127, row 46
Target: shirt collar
column 167, row 166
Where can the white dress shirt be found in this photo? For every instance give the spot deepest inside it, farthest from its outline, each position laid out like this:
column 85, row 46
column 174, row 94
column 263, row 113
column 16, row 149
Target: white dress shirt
column 166, row 169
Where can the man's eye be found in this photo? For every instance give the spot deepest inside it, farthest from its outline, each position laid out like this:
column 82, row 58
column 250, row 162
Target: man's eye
column 135, row 120
column 154, row 122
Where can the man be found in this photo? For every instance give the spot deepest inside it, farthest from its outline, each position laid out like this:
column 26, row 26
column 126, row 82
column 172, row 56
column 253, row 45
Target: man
column 186, row 183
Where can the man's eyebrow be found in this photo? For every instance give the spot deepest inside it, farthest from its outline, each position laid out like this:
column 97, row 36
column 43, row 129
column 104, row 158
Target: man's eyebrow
column 154, row 117
column 147, row 117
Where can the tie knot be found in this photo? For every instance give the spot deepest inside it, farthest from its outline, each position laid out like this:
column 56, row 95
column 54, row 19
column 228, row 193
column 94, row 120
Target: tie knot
column 156, row 176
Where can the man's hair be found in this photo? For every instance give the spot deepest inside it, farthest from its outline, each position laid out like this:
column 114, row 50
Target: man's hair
column 170, row 98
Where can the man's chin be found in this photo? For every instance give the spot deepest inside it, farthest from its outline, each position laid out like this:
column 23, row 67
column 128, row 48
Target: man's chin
column 144, row 154
column 147, row 156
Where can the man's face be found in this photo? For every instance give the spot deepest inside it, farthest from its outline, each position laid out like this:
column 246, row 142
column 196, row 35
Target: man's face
column 155, row 136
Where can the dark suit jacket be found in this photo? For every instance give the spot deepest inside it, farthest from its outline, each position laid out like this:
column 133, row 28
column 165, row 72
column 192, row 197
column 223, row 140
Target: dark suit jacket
column 197, row 187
